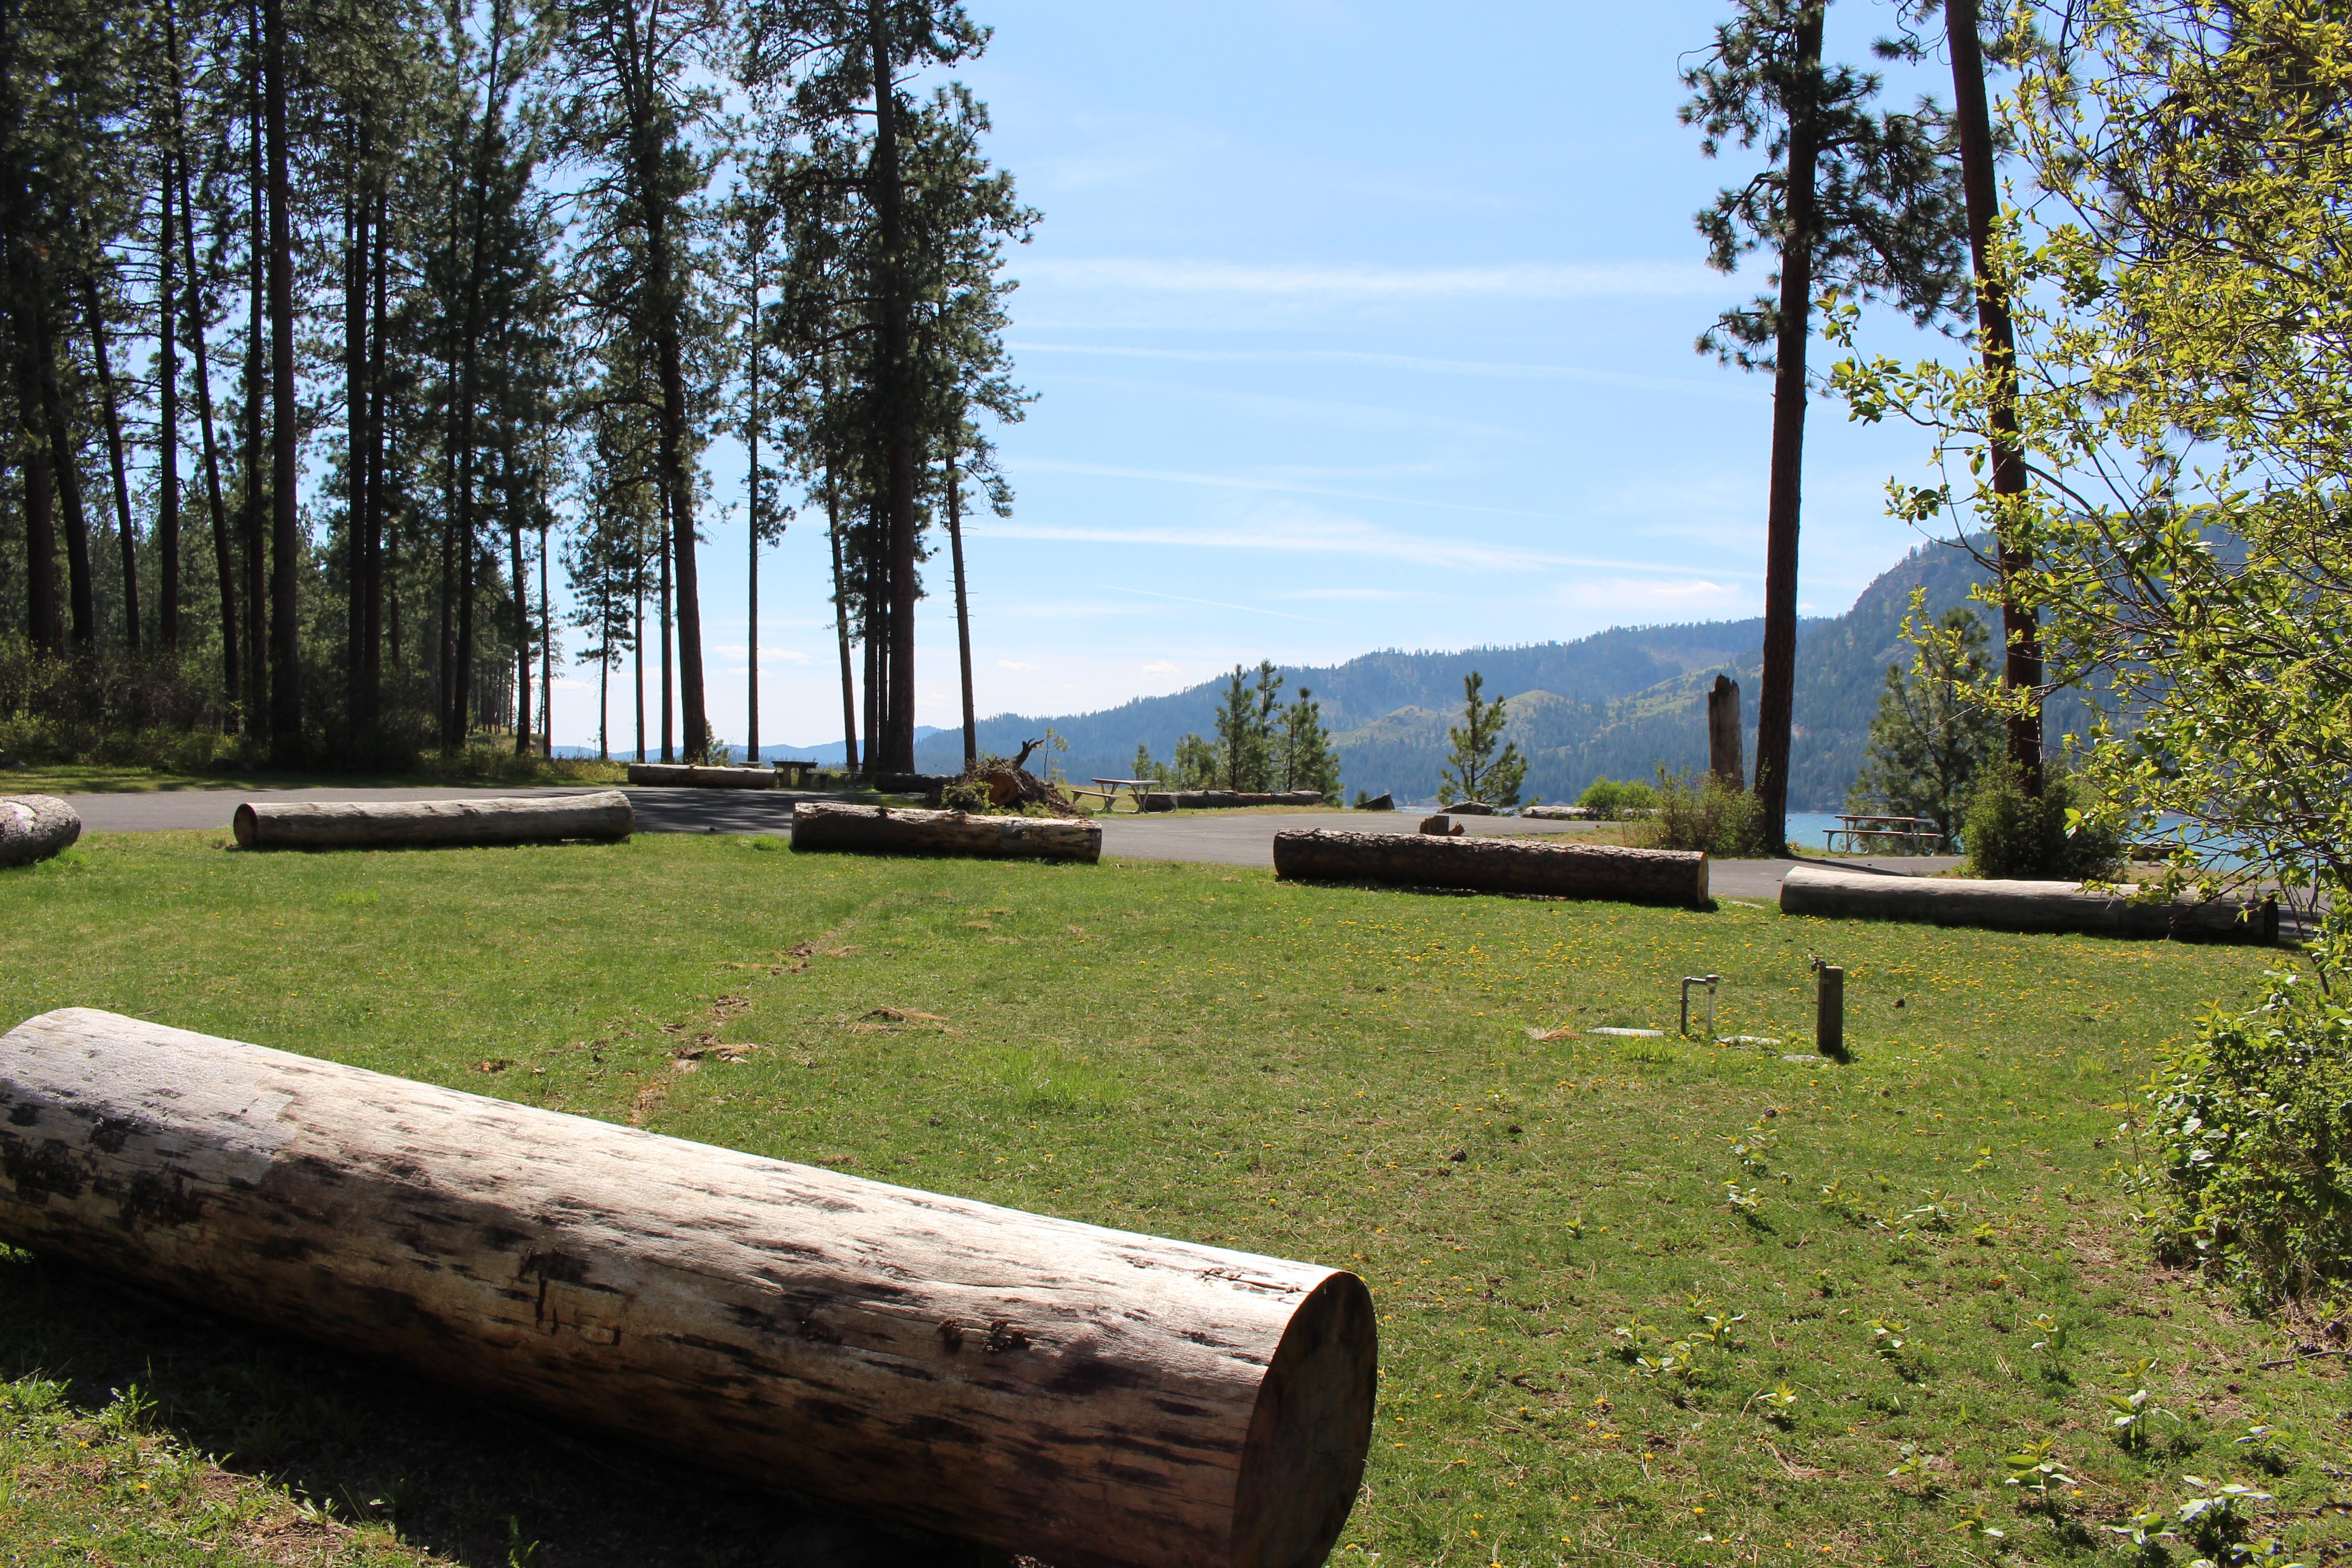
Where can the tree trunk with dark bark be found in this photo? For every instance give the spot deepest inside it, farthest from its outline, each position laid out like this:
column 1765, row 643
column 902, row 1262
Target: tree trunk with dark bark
column 167, row 433
column 2021, row 627
column 962, row 612
column 1723, row 734
column 126, row 532
column 285, row 501
column 1776, row 705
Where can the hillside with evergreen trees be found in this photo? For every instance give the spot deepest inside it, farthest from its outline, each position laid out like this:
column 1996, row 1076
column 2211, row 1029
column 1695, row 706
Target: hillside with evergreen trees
column 1617, row 704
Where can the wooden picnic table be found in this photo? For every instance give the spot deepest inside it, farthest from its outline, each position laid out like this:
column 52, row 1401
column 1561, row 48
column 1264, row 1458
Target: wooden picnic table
column 1108, row 791
column 1864, row 827
column 796, row 775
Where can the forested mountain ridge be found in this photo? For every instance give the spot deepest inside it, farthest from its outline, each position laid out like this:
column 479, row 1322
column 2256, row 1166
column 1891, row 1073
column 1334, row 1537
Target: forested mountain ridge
column 1616, row 704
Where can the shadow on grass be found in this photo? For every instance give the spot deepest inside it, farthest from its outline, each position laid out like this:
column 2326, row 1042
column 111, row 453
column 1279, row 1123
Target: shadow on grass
column 369, row 1444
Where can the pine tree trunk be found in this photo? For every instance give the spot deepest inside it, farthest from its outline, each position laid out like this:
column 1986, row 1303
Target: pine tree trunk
column 639, row 578
column 751, row 578
column 962, row 611
column 110, row 414
column 199, row 332
column 255, row 555
column 2020, row 627
column 285, row 533
column 546, row 657
column 669, row 539
column 167, row 432
column 355, row 429
column 25, row 292
column 373, row 553
column 80, row 596
column 898, row 752
column 1776, row 705
column 841, row 627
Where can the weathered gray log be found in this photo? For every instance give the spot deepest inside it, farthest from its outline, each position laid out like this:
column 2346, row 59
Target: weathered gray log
column 1558, row 812
column 388, row 824
column 905, row 830
column 695, row 775
column 1494, row 865
column 1215, row 799
column 1077, row 1394
column 2020, row 906
column 35, row 827
column 1469, row 808
column 1383, row 801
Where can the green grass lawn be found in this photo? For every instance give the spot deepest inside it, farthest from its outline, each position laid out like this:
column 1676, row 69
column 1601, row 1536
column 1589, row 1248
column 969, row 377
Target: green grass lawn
column 1594, row 1257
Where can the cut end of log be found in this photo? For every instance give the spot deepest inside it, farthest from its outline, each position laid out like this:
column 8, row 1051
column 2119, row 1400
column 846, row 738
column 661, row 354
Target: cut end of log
column 243, row 825
column 1305, row 1456
column 35, row 826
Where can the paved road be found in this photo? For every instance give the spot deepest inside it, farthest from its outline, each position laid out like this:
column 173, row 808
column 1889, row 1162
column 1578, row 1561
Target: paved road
column 1234, row 840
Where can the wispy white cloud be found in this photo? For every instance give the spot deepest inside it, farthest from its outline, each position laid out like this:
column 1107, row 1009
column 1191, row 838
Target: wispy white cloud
column 1627, row 597
column 1682, row 386
column 1160, row 667
column 1215, row 604
column 1509, row 280
column 1252, row 482
column 1352, row 594
column 1308, row 529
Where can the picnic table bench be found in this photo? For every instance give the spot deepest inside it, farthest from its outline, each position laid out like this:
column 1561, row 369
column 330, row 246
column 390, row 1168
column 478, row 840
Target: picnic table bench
column 792, row 774
column 1107, row 791
column 1864, row 829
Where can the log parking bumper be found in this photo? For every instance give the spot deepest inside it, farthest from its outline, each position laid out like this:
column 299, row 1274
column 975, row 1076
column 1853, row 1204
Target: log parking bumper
column 1494, row 865
column 2022, row 906
column 423, row 824
column 695, row 775
column 1081, row 1394
column 907, row 830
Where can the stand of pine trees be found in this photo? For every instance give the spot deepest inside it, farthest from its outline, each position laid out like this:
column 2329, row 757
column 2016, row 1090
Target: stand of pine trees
column 326, row 328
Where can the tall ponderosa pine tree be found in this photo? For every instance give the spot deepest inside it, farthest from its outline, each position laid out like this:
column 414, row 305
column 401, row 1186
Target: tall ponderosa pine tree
column 1852, row 199
column 1481, row 766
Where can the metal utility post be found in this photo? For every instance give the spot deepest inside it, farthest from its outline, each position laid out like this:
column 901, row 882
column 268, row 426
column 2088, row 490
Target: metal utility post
column 1710, row 982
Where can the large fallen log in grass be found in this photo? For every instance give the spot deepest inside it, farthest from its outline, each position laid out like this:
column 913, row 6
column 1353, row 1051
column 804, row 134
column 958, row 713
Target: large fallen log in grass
column 906, row 830
column 35, row 827
column 1489, row 865
column 388, row 824
column 695, row 775
column 2022, row 906
column 1080, row 1395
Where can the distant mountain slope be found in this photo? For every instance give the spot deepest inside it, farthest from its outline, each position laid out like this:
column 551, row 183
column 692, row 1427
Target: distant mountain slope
column 1616, row 704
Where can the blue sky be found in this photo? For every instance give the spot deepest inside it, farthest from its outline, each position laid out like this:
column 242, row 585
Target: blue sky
column 1353, row 325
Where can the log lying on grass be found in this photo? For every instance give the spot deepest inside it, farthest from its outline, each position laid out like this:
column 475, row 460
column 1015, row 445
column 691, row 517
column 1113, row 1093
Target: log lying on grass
column 1495, row 866
column 2019, row 906
column 386, row 824
column 905, row 830
column 1558, row 812
column 1212, row 799
column 35, row 827
column 695, row 775
column 1081, row 1394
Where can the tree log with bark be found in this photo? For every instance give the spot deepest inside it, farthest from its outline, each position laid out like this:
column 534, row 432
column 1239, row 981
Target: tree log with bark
column 1991, row 905
column 901, row 830
column 1076, row 1393
column 1492, row 865
column 694, row 775
column 385, row 825
column 35, row 827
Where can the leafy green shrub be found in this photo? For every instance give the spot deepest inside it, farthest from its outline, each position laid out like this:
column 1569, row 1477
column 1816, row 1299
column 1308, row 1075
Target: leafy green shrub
column 1701, row 812
column 2252, row 1131
column 1617, row 798
column 2011, row 835
column 965, row 794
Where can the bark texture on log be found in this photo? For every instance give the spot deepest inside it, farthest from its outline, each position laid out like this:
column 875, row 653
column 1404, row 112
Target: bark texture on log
column 2019, row 906
column 1211, row 799
column 904, row 830
column 1558, row 812
column 694, row 775
column 35, row 827
column 385, row 823
column 1495, row 866
column 1081, row 1394
column 1724, row 758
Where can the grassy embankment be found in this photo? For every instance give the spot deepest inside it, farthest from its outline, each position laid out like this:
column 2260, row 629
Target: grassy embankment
column 1334, row 1074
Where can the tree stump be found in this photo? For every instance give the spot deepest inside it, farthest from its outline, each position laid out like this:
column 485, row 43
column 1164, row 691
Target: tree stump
column 901, row 830
column 394, row 824
column 1440, row 825
column 1495, row 866
column 1724, row 751
column 1077, row 1394
column 35, row 827
column 695, row 775
column 1991, row 905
